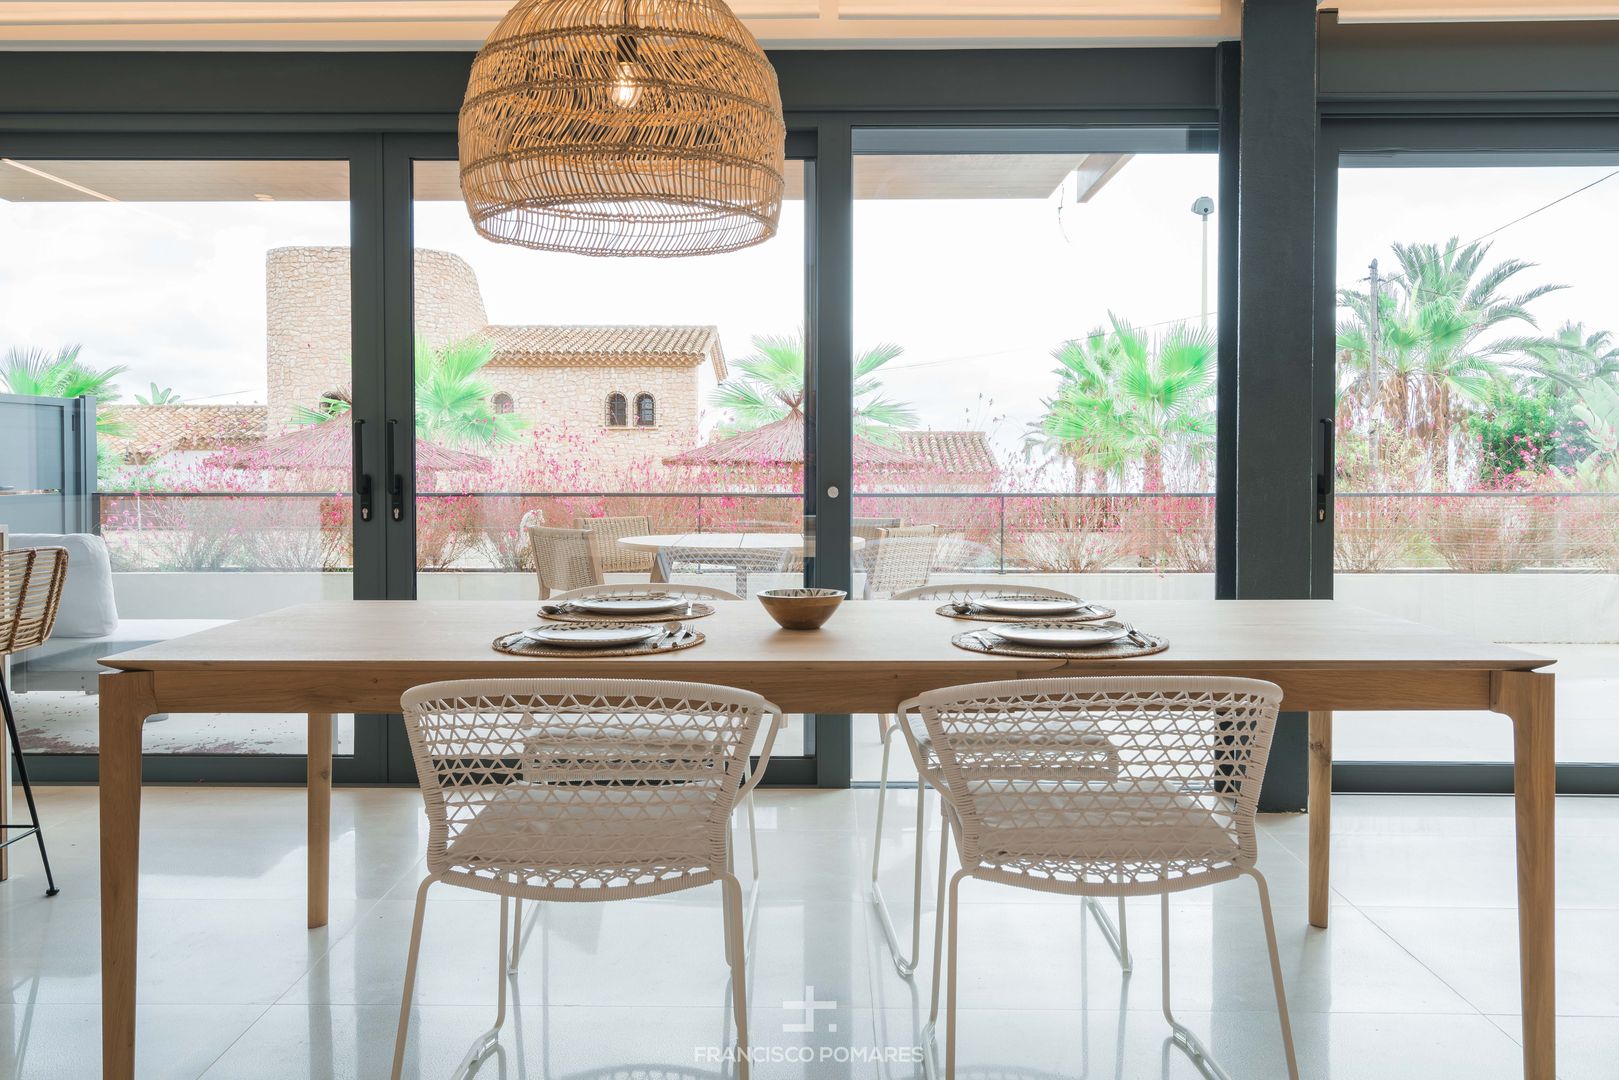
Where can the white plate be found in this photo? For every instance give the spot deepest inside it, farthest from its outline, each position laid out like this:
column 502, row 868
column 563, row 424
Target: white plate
column 629, row 605
column 592, row 637
column 1065, row 636
column 1029, row 605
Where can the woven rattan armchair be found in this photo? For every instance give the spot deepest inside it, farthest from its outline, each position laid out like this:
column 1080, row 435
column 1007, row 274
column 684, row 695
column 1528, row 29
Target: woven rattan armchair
column 611, row 556
column 31, row 581
column 1025, row 805
column 900, row 558
column 1116, row 934
column 564, row 559
column 580, row 790
column 738, row 561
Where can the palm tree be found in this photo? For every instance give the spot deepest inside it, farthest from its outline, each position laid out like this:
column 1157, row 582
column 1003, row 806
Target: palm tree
column 452, row 401
column 1436, row 353
column 1573, row 359
column 769, row 386
column 159, row 395
column 37, row 373
column 1126, row 397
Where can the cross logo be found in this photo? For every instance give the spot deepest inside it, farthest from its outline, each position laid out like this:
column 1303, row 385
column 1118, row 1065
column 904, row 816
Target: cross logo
column 810, row 1006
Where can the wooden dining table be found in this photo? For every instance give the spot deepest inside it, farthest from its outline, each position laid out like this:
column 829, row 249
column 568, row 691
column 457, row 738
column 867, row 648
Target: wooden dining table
column 360, row 656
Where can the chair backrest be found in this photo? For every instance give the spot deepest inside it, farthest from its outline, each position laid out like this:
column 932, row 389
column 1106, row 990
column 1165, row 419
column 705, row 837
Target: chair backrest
column 972, row 590
column 1175, row 807
column 605, row 534
column 903, row 559
column 31, row 581
column 563, row 558
column 581, row 783
column 637, row 588
column 867, row 527
column 740, row 562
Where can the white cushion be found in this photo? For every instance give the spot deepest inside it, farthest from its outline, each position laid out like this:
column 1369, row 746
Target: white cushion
column 88, row 609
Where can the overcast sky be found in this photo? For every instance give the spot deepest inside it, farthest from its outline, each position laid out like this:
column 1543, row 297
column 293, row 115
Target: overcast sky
column 977, row 292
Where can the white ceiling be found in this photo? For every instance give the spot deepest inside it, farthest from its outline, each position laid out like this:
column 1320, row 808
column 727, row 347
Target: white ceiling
column 463, row 24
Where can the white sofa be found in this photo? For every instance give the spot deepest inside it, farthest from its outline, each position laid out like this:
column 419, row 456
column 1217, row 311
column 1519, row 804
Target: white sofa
column 87, row 623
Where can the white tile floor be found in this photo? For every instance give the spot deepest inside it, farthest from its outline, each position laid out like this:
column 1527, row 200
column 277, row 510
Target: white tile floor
column 1417, row 979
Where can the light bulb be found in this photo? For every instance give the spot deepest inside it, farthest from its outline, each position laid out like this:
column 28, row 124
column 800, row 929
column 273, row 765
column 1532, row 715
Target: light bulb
column 627, row 90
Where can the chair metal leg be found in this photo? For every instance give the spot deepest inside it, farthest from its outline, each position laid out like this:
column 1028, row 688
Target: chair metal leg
column 410, row 976
column 489, row 1041
column 930, row 1045
column 735, row 956
column 1276, row 973
column 950, row 991
column 33, row 825
column 1181, row 1035
column 1117, row 937
column 906, row 966
column 517, row 933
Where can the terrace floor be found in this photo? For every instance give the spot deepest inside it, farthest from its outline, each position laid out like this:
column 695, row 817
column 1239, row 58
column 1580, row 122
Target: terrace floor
column 1417, row 978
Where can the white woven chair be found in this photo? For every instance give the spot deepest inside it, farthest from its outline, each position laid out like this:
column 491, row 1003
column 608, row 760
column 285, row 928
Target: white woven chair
column 564, row 559
column 31, row 581
column 962, row 592
column 611, row 556
column 1025, row 806
column 582, row 790
column 739, row 561
column 902, row 558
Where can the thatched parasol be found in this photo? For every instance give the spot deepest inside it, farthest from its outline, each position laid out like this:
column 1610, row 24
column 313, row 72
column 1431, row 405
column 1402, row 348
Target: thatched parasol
column 781, row 443
column 329, row 447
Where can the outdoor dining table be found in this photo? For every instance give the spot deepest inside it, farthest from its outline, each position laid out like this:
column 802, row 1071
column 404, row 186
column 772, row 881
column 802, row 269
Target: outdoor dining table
column 360, row 656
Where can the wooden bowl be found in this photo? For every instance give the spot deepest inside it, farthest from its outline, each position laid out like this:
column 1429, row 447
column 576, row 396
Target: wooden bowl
column 801, row 609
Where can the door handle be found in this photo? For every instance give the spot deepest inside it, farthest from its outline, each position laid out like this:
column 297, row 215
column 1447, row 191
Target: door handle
column 1323, row 476
column 362, row 479
column 396, row 483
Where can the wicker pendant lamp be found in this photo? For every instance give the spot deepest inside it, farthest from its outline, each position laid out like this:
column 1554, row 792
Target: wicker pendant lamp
column 623, row 127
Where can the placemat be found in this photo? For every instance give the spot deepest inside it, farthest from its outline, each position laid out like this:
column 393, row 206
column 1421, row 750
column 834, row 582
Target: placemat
column 975, row 641
column 699, row 610
column 516, row 645
column 1094, row 613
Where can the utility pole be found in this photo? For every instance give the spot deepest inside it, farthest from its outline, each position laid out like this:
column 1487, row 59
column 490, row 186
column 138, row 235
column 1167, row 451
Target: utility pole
column 1374, row 332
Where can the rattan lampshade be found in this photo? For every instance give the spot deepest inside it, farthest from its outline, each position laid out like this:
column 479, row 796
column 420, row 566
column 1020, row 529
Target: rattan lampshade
column 623, row 127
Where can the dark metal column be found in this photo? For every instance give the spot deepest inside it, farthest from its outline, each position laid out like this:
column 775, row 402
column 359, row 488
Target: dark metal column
column 1277, row 434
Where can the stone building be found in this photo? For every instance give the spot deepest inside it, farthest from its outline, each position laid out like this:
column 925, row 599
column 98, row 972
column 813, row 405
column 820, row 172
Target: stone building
column 639, row 386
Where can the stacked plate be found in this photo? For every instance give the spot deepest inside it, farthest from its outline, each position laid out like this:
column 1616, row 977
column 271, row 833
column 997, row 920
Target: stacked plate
column 1060, row 635
column 1049, row 607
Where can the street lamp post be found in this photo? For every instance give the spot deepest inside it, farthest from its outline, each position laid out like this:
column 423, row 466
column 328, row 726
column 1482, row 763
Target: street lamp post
column 1203, row 207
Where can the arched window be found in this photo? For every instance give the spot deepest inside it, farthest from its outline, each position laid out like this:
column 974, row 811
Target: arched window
column 646, row 411
column 502, row 403
column 617, row 410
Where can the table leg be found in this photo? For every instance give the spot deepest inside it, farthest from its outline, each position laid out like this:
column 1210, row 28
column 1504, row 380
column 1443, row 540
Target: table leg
column 1320, row 813
column 1528, row 697
column 127, row 699
column 320, row 815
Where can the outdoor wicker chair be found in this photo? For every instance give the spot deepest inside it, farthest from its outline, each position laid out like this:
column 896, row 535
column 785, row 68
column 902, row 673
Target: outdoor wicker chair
column 564, row 559
column 578, row 790
column 1025, row 806
column 900, row 558
column 31, row 581
column 611, row 556
column 1117, row 936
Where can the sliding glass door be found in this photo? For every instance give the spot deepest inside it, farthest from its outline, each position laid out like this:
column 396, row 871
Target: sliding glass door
column 204, row 301
column 1033, row 394
column 1476, row 382
column 659, row 406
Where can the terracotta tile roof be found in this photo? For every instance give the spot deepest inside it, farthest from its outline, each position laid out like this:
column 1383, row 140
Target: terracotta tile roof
column 150, row 431
column 606, row 346
column 966, row 452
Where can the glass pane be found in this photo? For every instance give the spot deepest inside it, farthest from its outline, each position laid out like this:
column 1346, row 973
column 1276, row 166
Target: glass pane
column 1478, row 414
column 574, row 393
column 205, row 306
column 1034, row 396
